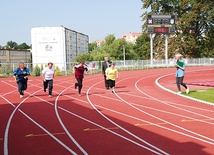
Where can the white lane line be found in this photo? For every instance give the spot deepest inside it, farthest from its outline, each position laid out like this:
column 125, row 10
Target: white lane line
column 135, row 136
column 154, row 109
column 191, row 107
column 147, row 122
column 62, row 124
column 201, row 120
column 10, row 91
column 170, row 122
column 104, row 128
column 60, row 121
column 168, row 90
column 99, row 126
column 9, row 122
column 45, row 130
column 171, row 113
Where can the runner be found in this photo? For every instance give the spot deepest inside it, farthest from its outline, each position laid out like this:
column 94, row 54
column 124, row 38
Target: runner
column 48, row 75
column 78, row 70
column 180, row 65
column 21, row 75
column 111, row 75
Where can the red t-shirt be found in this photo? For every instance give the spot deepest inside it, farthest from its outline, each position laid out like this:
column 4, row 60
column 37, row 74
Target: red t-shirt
column 79, row 71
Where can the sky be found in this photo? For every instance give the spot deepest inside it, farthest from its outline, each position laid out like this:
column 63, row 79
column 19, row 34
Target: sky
column 96, row 18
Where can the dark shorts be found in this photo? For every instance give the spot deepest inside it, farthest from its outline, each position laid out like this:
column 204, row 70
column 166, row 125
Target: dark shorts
column 111, row 83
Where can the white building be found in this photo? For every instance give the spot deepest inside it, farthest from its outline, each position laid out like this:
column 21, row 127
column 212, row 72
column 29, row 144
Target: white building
column 58, row 45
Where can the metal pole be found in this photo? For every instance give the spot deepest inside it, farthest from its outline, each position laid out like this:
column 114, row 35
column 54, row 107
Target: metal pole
column 166, row 49
column 124, row 55
column 151, row 50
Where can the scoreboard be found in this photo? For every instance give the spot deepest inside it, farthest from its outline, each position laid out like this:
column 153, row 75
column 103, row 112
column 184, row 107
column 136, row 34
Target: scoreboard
column 161, row 24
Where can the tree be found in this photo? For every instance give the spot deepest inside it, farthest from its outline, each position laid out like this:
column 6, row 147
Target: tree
column 23, row 46
column 142, row 47
column 11, row 45
column 113, row 48
column 195, row 19
column 109, row 39
column 84, row 57
column 92, row 46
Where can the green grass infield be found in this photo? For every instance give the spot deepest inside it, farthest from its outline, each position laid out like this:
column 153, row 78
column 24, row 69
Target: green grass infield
column 205, row 95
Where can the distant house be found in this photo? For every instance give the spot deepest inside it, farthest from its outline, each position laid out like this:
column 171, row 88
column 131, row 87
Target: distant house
column 99, row 42
column 131, row 37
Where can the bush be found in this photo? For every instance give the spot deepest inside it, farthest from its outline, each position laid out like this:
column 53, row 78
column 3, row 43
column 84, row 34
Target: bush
column 36, row 71
column 42, row 68
column 57, row 71
column 0, row 70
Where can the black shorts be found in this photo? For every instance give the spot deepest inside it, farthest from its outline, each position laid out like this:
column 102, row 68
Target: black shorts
column 111, row 83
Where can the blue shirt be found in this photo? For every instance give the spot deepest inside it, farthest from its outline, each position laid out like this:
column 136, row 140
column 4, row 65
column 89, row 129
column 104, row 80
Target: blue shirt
column 20, row 74
column 180, row 72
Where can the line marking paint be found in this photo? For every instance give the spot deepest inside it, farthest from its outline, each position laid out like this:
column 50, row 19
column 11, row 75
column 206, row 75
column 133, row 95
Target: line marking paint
column 44, row 134
column 211, row 141
column 37, row 124
column 184, row 96
column 147, row 124
column 196, row 120
column 63, row 125
column 138, row 124
column 98, row 129
column 154, row 148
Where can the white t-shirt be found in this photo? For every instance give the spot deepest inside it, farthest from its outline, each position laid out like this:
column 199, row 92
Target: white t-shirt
column 48, row 73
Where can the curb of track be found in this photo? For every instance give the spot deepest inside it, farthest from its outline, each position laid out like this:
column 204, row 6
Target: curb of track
column 184, row 96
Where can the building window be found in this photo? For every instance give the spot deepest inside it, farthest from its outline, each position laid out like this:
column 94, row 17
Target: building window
column 2, row 61
column 2, row 53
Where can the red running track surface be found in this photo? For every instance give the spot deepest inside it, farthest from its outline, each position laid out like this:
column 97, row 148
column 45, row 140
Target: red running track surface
column 140, row 118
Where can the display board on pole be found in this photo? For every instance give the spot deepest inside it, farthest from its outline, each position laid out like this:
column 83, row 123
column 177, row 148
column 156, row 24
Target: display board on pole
column 160, row 24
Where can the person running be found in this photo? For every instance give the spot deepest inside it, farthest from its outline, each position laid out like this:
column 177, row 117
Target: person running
column 111, row 75
column 21, row 75
column 78, row 70
column 105, row 65
column 180, row 71
column 48, row 75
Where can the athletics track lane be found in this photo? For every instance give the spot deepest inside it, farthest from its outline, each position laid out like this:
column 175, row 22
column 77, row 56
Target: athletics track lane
column 93, row 138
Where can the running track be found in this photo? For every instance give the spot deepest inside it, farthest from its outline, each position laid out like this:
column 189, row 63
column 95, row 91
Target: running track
column 140, row 118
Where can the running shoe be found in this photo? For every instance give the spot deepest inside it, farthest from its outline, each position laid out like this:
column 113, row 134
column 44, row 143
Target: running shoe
column 79, row 94
column 21, row 96
column 179, row 92
column 50, row 96
column 187, row 90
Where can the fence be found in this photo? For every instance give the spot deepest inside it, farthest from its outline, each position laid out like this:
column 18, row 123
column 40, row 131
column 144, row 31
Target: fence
column 6, row 69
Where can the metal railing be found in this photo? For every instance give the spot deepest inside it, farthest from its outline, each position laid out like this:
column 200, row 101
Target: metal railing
column 6, row 69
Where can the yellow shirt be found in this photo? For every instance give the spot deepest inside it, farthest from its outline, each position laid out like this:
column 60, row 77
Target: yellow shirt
column 111, row 74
